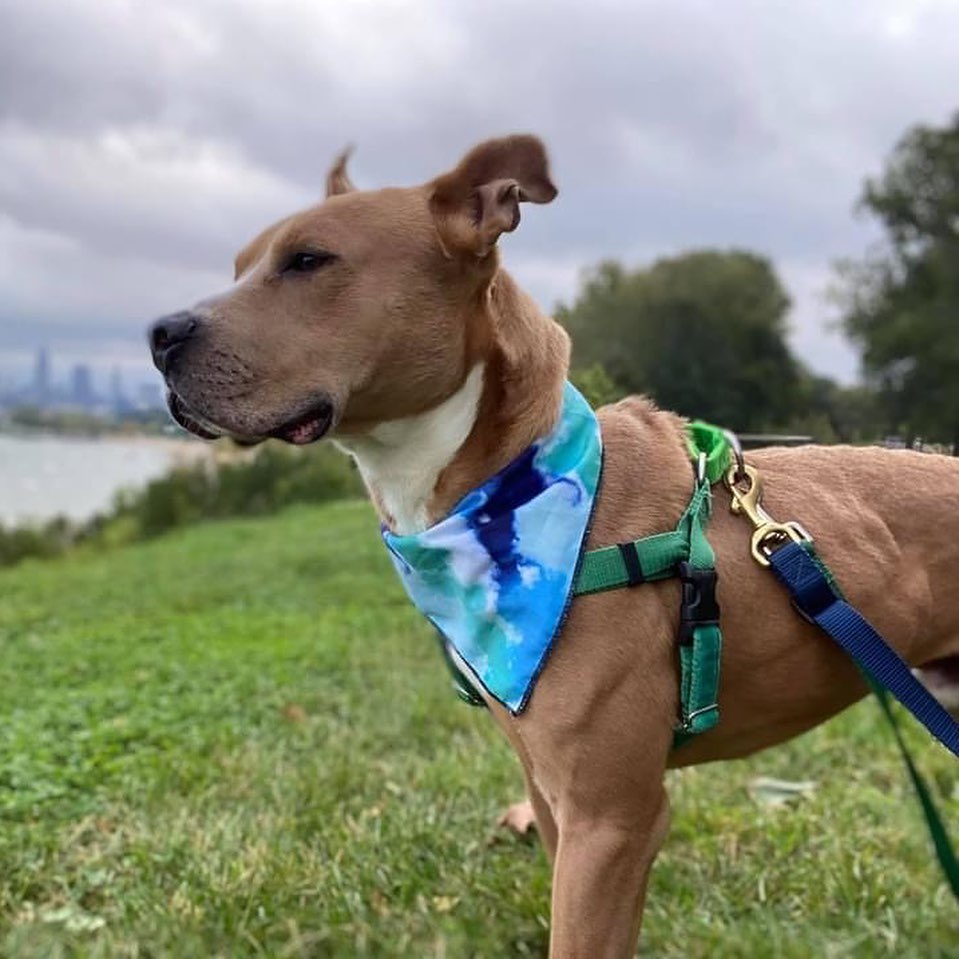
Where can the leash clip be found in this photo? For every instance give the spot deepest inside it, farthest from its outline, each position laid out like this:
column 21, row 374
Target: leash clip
column 768, row 534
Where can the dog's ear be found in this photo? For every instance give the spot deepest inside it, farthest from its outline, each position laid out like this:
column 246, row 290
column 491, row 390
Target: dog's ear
column 478, row 200
column 338, row 180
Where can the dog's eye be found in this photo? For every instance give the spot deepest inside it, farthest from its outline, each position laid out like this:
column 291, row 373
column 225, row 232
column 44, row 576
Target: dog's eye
column 306, row 262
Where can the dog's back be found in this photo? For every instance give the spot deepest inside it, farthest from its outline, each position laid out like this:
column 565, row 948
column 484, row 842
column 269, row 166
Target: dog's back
column 885, row 521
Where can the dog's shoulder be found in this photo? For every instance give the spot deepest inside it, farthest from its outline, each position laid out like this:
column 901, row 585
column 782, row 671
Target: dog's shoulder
column 638, row 424
column 647, row 473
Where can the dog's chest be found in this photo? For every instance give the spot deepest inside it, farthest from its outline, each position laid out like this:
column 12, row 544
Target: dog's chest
column 495, row 575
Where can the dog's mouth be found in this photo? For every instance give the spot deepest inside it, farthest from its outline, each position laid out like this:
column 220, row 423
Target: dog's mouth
column 189, row 420
column 307, row 427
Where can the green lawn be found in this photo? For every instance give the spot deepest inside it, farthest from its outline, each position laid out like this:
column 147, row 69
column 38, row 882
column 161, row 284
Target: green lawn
column 240, row 740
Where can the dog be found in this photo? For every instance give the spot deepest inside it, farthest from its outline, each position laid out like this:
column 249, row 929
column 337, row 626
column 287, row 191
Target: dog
column 384, row 320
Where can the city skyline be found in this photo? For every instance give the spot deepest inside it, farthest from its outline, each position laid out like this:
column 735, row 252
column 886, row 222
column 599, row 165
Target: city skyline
column 132, row 177
column 96, row 387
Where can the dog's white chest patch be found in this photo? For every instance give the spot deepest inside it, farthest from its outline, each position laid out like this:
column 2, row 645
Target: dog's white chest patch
column 401, row 460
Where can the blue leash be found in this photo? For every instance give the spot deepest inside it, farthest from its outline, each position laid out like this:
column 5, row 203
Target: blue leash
column 815, row 594
column 789, row 550
column 817, row 597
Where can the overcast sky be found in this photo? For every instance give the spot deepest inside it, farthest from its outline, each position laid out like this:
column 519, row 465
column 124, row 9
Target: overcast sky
column 142, row 143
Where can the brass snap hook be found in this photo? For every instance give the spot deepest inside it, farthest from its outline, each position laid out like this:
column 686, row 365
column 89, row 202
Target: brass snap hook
column 768, row 534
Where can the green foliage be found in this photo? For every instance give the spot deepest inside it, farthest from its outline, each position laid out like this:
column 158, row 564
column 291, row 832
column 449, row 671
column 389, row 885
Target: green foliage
column 39, row 541
column 82, row 423
column 240, row 740
column 596, row 385
column 830, row 413
column 264, row 481
column 901, row 305
column 272, row 477
column 703, row 333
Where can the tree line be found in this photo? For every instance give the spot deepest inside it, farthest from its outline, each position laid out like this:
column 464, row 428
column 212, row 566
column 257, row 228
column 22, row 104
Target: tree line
column 705, row 333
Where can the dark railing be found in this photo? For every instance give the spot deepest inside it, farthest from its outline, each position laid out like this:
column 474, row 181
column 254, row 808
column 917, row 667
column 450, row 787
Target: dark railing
column 753, row 441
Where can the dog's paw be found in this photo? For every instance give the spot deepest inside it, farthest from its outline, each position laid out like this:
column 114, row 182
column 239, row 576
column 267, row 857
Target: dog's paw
column 519, row 819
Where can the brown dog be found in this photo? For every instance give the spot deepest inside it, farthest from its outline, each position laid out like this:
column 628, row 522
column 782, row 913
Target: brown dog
column 383, row 319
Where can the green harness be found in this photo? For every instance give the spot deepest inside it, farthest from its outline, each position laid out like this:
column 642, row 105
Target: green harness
column 684, row 552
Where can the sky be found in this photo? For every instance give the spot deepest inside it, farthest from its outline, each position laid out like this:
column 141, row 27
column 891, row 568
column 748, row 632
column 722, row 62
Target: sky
column 141, row 144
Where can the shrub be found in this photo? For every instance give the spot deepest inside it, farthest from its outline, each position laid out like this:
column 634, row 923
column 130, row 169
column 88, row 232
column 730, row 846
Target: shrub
column 265, row 481
column 39, row 541
column 596, row 385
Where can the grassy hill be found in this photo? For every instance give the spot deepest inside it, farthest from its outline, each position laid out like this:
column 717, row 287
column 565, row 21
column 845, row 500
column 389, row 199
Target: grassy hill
column 240, row 740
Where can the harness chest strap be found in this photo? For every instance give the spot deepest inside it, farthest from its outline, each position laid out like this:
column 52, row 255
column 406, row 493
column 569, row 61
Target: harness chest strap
column 684, row 552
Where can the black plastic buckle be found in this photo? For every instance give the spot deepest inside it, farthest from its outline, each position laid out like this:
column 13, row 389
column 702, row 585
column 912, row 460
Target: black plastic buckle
column 699, row 606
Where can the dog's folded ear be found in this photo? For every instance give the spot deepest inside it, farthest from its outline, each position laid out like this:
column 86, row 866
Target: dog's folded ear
column 338, row 180
column 478, row 200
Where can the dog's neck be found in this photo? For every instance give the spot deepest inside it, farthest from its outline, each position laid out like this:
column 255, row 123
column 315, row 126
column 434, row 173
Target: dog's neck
column 418, row 467
column 400, row 460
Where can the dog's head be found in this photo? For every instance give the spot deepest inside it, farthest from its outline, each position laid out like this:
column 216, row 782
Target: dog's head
column 365, row 308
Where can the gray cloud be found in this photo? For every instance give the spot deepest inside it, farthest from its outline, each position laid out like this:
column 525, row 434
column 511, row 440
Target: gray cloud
column 140, row 145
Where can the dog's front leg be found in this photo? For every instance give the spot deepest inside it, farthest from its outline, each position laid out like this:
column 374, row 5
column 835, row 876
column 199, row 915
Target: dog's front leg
column 545, row 823
column 599, row 880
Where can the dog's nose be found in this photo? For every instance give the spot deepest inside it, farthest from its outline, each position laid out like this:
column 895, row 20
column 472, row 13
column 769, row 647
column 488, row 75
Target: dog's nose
column 168, row 333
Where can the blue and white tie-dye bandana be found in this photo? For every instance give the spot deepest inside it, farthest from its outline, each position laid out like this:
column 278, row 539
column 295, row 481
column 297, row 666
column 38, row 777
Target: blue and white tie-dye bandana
column 496, row 575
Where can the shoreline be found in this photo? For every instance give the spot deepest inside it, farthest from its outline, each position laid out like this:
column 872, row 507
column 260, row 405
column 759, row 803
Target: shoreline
column 45, row 474
column 193, row 448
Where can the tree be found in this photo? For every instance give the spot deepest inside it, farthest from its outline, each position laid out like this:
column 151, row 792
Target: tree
column 703, row 334
column 831, row 413
column 901, row 303
column 596, row 385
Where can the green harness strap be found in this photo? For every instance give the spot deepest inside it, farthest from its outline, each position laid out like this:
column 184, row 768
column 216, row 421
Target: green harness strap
column 684, row 552
column 653, row 558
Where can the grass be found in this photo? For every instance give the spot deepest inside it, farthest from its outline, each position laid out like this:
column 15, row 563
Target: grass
column 239, row 740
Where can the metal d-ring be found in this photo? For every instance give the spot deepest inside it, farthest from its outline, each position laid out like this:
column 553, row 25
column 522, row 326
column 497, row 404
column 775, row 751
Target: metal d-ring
column 737, row 451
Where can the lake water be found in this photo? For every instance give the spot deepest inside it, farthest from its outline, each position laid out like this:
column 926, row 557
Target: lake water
column 42, row 476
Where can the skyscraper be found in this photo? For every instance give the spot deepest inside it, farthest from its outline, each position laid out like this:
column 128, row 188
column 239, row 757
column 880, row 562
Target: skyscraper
column 118, row 399
column 41, row 376
column 81, row 386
